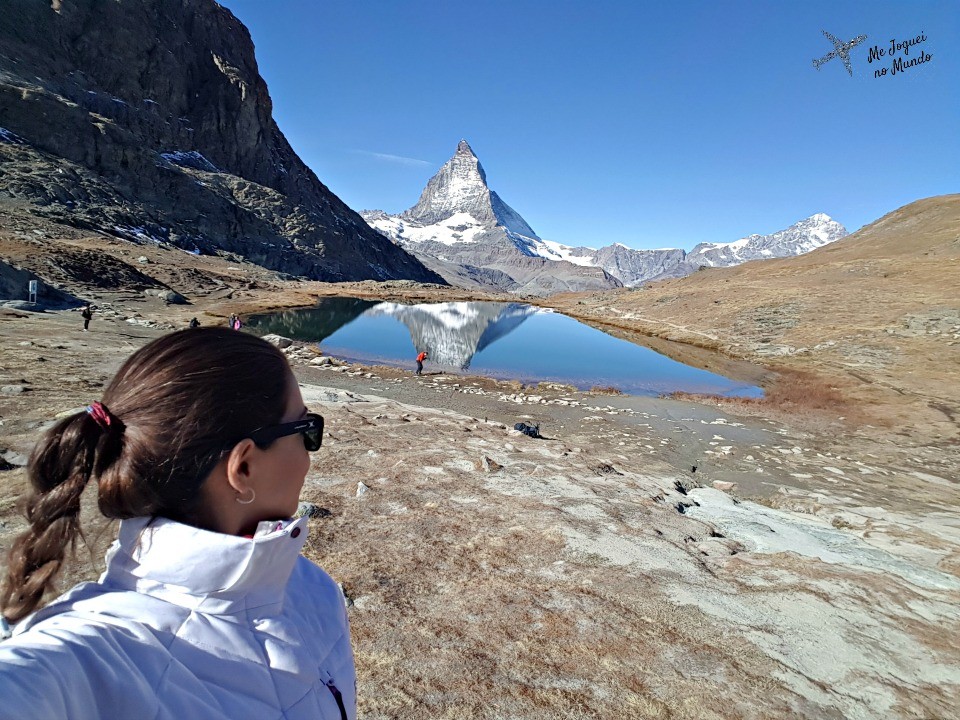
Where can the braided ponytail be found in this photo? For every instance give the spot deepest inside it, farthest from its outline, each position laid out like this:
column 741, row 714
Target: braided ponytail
column 176, row 406
column 75, row 449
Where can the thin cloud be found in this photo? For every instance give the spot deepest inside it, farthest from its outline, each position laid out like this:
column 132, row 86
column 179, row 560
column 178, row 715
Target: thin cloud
column 399, row 159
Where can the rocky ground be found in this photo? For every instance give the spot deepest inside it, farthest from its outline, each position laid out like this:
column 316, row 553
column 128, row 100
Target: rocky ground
column 590, row 573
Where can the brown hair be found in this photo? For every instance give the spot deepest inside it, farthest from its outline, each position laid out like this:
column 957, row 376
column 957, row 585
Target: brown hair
column 176, row 407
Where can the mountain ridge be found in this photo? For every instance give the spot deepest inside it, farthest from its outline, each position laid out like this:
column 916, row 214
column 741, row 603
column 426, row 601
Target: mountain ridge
column 168, row 138
column 458, row 220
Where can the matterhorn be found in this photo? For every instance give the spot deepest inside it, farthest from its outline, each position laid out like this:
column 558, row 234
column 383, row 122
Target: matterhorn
column 461, row 229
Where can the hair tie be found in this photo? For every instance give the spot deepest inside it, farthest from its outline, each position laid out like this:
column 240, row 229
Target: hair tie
column 101, row 416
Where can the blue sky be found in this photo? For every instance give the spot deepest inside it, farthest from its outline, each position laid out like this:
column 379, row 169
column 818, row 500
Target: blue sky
column 651, row 124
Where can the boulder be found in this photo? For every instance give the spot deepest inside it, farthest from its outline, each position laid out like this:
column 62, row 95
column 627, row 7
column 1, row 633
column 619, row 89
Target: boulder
column 170, row 297
column 14, row 458
column 310, row 510
column 279, row 340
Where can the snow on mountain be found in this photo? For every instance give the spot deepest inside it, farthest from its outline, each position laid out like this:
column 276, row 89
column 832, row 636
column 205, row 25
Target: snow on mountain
column 460, row 186
column 467, row 233
column 461, row 227
column 633, row 267
column 802, row 237
column 576, row 255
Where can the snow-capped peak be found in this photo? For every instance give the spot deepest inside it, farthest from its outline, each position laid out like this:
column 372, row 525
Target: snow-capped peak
column 460, row 186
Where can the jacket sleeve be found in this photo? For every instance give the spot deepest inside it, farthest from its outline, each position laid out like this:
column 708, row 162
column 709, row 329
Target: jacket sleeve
column 63, row 670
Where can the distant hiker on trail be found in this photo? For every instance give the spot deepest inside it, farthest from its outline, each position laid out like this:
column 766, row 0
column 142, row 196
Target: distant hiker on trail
column 231, row 321
column 237, row 323
column 86, row 315
column 194, row 323
column 420, row 358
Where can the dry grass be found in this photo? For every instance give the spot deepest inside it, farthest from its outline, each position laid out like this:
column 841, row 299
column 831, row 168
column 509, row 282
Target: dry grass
column 468, row 603
column 796, row 396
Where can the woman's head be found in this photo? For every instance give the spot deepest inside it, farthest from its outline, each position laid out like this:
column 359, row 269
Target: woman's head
column 176, row 411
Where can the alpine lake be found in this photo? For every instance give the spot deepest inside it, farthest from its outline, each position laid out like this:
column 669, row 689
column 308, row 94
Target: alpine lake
column 507, row 341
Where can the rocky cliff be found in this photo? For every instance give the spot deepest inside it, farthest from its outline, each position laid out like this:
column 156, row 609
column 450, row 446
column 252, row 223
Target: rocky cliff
column 148, row 119
column 467, row 233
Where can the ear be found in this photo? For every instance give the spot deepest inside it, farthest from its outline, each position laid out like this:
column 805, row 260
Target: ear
column 239, row 465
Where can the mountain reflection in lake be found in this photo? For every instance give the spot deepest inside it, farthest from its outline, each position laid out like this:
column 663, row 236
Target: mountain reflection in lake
column 502, row 340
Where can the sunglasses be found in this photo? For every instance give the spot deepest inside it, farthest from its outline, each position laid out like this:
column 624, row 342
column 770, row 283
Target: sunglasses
column 311, row 427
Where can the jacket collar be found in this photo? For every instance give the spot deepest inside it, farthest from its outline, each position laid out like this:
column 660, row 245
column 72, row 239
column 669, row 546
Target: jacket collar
column 203, row 570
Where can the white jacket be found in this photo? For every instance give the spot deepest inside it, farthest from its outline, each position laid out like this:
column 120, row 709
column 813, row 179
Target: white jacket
column 184, row 624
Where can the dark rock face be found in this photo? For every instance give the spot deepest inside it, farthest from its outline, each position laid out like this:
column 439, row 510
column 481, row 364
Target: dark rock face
column 148, row 119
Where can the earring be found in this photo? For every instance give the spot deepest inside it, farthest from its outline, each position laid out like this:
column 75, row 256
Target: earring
column 253, row 496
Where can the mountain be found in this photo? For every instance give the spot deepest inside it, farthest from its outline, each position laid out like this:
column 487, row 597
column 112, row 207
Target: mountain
column 464, row 231
column 467, row 233
column 149, row 121
column 635, row 267
column 802, row 237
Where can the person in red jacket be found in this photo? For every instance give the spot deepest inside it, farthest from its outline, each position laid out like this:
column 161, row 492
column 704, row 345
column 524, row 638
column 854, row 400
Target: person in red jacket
column 420, row 358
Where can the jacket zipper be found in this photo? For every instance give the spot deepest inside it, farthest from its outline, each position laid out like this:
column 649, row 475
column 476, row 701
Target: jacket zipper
column 338, row 697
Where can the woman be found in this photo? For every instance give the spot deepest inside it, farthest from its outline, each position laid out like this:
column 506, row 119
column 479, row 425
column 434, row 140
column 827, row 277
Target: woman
column 206, row 609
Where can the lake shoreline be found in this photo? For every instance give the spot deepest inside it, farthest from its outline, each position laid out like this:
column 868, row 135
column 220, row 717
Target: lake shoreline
column 502, row 340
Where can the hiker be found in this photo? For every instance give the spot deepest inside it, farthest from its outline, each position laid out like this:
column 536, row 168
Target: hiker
column 194, row 323
column 420, row 358
column 231, row 321
column 237, row 324
column 86, row 314
column 200, row 446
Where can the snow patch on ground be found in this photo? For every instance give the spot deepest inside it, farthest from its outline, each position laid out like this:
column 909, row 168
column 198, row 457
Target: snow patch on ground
column 191, row 159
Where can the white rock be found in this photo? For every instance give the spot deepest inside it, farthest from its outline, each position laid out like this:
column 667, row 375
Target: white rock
column 278, row 340
column 361, row 489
